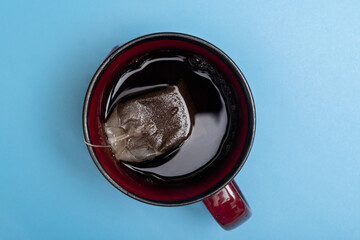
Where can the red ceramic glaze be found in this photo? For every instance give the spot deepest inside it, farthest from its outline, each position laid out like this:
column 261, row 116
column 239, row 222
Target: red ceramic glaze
column 228, row 206
column 144, row 189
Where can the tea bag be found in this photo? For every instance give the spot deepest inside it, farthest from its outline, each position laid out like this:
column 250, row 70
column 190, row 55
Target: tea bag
column 150, row 125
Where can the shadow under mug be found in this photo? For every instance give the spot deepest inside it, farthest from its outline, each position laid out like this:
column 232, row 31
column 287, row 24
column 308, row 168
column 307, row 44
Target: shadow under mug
column 216, row 188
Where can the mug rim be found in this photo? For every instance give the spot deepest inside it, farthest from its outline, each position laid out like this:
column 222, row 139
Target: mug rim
column 240, row 78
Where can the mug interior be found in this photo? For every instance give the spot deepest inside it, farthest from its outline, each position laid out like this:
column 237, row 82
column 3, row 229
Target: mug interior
column 143, row 188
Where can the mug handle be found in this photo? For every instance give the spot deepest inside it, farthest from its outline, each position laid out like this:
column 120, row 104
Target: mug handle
column 228, row 206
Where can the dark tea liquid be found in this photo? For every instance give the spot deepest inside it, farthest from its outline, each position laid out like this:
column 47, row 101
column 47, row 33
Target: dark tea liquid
column 210, row 128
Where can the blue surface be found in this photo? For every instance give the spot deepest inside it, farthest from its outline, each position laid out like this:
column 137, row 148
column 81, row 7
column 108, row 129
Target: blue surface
column 302, row 61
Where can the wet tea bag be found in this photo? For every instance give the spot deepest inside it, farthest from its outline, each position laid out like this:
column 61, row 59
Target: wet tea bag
column 150, row 125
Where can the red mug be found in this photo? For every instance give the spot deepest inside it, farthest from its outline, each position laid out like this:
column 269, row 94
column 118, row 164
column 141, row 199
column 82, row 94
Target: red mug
column 216, row 189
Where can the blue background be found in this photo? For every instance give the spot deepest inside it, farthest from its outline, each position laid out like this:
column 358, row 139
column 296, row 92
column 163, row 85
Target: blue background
column 301, row 59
